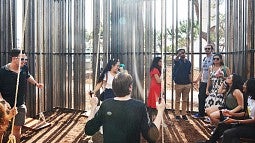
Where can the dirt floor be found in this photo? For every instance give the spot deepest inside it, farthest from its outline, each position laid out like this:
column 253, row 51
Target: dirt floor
column 67, row 126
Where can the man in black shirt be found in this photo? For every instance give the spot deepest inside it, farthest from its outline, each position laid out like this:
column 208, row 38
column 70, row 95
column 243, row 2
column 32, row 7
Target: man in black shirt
column 123, row 118
column 8, row 82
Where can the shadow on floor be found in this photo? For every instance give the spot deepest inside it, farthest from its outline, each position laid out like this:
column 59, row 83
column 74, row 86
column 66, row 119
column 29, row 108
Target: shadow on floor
column 67, row 126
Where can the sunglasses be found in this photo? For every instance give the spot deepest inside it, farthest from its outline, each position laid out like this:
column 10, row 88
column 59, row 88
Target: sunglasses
column 216, row 59
column 207, row 48
column 23, row 59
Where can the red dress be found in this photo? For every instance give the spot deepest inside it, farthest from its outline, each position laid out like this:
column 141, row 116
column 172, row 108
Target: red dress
column 155, row 89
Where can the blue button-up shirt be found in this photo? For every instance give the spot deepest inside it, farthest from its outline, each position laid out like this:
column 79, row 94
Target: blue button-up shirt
column 181, row 71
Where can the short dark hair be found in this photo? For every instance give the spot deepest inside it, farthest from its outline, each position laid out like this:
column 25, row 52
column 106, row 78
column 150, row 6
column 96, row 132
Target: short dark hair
column 180, row 50
column 121, row 84
column 211, row 45
column 16, row 52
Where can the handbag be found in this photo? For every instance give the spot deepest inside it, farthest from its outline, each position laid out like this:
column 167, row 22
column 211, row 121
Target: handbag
column 101, row 97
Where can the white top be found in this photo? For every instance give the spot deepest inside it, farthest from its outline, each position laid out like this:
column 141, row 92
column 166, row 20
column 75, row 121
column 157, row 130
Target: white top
column 207, row 62
column 251, row 107
column 110, row 78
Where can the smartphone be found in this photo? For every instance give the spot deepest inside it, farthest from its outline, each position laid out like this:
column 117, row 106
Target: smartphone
column 91, row 93
column 159, row 100
column 225, row 119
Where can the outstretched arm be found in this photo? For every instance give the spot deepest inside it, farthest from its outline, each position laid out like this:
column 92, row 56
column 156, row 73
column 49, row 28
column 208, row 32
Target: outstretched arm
column 98, row 86
column 151, row 131
column 32, row 81
column 94, row 120
column 161, row 108
column 246, row 121
column 93, row 103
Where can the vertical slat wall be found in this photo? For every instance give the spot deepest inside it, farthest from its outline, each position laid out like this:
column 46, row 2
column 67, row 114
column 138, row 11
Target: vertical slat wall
column 148, row 41
column 238, row 41
column 55, row 43
column 250, row 45
column 5, row 27
column 56, row 35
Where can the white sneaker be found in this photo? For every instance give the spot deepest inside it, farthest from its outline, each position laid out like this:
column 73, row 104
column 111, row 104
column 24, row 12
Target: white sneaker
column 207, row 120
column 213, row 131
column 101, row 130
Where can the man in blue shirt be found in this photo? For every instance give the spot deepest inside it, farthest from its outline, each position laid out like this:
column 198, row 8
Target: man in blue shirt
column 182, row 79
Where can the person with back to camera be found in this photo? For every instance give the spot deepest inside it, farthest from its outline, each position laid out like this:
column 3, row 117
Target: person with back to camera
column 123, row 118
column 155, row 86
column 182, row 79
column 203, row 78
column 105, row 80
column 238, row 125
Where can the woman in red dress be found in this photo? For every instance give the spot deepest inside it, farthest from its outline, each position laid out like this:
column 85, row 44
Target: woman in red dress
column 155, row 86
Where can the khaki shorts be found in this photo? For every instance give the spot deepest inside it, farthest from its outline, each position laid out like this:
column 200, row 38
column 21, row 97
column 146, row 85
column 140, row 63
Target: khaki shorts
column 21, row 116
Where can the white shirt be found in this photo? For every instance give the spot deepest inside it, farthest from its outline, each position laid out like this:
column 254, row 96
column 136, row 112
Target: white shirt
column 109, row 80
column 251, row 107
column 207, row 62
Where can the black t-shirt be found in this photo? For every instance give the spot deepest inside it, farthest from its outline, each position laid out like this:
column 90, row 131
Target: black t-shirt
column 122, row 121
column 8, row 81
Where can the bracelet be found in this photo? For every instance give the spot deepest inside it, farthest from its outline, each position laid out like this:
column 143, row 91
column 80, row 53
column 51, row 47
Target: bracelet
column 35, row 84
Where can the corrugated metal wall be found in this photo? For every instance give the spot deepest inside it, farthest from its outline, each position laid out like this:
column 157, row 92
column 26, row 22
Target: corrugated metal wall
column 57, row 42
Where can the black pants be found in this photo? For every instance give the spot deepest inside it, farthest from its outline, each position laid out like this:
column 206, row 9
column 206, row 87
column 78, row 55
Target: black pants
column 201, row 98
column 108, row 93
column 219, row 131
column 152, row 113
column 234, row 134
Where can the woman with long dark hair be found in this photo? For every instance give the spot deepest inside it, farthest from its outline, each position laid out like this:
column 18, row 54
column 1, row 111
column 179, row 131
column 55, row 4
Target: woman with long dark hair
column 231, row 89
column 155, row 86
column 218, row 72
column 245, row 128
column 238, row 125
column 105, row 79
